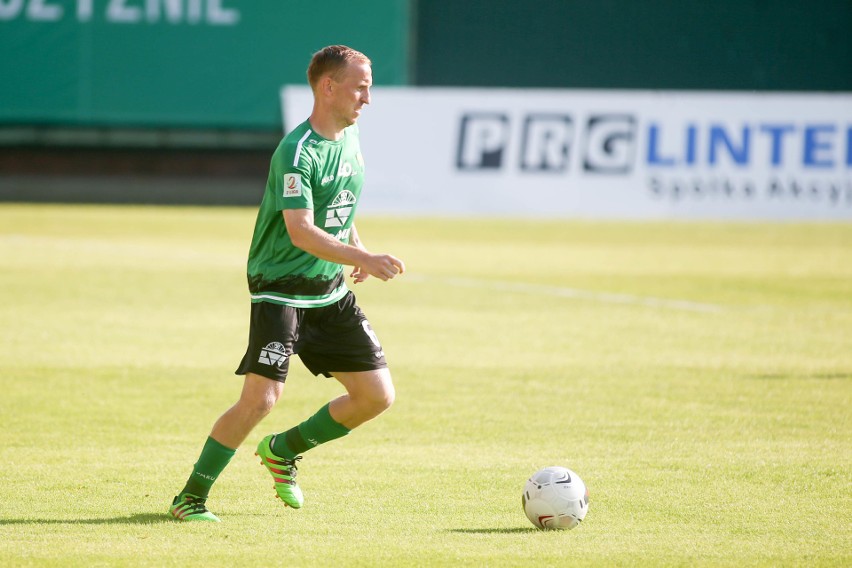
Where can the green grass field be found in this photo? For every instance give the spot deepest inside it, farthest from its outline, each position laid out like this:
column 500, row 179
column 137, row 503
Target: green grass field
column 697, row 376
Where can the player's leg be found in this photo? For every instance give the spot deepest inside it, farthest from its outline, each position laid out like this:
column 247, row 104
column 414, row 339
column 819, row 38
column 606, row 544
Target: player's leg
column 368, row 394
column 335, row 337
column 257, row 399
column 265, row 365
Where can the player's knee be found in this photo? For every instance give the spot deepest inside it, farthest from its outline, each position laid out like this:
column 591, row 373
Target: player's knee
column 374, row 401
column 258, row 407
column 259, row 396
column 387, row 400
column 383, row 398
column 371, row 394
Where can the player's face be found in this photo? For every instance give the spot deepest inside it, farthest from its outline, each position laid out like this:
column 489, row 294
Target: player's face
column 352, row 92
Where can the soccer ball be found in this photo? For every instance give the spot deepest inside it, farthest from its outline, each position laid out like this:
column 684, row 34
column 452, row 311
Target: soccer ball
column 555, row 498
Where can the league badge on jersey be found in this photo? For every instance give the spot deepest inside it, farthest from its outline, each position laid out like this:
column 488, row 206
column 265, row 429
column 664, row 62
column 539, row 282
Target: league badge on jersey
column 292, row 185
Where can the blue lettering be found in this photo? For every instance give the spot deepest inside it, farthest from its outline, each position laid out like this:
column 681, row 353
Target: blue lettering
column 849, row 146
column 727, row 144
column 719, row 136
column 776, row 132
column 654, row 158
column 813, row 145
column 691, row 135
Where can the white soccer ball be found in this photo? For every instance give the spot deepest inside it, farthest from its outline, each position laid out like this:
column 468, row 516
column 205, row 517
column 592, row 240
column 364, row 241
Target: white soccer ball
column 555, row 498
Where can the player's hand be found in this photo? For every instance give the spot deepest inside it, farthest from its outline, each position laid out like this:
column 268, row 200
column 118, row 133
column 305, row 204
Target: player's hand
column 358, row 275
column 382, row 266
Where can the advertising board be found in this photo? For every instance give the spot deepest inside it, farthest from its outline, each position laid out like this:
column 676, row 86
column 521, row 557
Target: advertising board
column 603, row 154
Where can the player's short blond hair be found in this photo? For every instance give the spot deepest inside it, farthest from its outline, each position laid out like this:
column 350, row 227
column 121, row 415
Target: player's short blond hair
column 333, row 59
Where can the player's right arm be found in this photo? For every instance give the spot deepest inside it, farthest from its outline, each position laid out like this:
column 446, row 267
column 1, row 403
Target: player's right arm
column 305, row 235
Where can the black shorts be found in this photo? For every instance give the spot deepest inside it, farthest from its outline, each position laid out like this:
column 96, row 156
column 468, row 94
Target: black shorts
column 334, row 338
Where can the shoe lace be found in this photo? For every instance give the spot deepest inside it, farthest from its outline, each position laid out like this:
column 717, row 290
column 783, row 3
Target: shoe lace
column 196, row 504
column 291, row 466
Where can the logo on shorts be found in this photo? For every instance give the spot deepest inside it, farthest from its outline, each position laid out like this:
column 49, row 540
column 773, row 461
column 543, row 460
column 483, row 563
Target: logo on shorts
column 273, row 354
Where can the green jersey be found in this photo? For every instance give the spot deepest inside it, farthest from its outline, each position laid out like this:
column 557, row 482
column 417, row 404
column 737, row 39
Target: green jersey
column 307, row 172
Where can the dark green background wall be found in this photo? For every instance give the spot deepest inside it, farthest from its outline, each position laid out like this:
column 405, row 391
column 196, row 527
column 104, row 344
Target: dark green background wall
column 649, row 44
column 155, row 73
column 127, row 66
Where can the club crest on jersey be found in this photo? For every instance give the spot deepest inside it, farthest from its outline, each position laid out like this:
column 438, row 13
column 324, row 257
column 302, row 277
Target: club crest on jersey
column 292, row 185
column 340, row 209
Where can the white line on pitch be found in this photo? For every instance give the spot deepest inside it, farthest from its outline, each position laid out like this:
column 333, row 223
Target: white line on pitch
column 574, row 293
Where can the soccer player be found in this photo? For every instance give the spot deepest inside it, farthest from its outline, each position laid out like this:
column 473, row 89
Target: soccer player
column 300, row 303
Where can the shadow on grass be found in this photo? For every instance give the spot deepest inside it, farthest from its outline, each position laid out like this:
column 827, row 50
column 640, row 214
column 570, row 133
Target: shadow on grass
column 495, row 531
column 139, row 519
column 811, row 376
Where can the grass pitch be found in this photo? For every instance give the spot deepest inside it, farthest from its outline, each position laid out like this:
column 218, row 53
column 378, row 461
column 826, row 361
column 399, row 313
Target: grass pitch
column 697, row 376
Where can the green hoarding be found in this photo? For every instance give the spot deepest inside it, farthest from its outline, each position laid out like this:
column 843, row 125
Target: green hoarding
column 180, row 63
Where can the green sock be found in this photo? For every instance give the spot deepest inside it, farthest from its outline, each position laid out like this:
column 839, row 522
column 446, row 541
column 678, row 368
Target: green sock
column 318, row 429
column 214, row 457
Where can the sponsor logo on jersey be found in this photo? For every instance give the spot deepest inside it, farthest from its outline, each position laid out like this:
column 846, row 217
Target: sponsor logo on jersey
column 340, row 209
column 345, row 169
column 273, row 354
column 292, row 185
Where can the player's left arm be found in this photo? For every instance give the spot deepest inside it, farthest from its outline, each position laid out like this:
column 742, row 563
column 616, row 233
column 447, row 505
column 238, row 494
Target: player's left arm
column 357, row 274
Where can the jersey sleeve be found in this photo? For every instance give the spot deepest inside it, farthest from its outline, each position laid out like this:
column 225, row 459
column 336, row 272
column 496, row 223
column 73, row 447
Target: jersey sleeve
column 290, row 179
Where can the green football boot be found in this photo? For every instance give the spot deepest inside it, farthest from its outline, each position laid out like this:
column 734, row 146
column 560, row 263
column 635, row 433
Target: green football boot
column 283, row 472
column 189, row 507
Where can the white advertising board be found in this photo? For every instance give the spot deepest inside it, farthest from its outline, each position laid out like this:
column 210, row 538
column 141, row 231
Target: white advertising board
column 602, row 154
